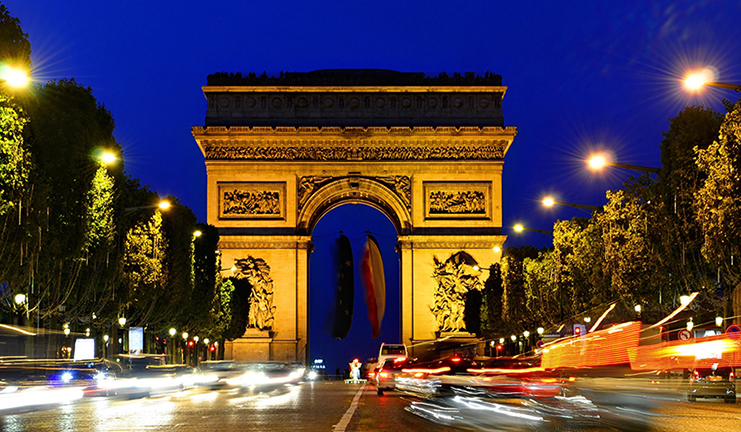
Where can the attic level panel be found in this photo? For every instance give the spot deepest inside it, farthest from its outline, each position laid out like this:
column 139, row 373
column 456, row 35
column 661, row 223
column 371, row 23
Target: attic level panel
column 358, row 106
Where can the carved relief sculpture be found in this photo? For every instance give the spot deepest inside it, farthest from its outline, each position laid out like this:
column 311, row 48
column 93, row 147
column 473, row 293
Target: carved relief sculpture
column 257, row 273
column 467, row 200
column 455, row 278
column 457, row 202
column 251, row 200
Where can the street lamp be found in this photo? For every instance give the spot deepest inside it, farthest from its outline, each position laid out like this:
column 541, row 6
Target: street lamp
column 20, row 299
column 173, row 332
column 596, row 162
column 541, row 330
column 684, row 300
column 122, row 321
column 526, row 334
column 695, row 81
column 719, row 321
column 520, row 228
column 108, row 158
column 13, row 76
column 162, row 205
column 550, row 202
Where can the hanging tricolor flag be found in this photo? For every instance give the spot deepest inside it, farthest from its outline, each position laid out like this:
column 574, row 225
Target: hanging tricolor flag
column 345, row 289
column 374, row 283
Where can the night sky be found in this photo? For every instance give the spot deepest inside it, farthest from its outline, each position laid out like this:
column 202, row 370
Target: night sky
column 586, row 76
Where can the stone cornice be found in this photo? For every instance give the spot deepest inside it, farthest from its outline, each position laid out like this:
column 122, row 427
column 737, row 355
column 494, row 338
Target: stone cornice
column 355, row 89
column 450, row 242
column 233, row 132
column 265, row 242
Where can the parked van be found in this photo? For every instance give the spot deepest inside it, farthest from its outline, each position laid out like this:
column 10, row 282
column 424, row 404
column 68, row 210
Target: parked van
column 391, row 351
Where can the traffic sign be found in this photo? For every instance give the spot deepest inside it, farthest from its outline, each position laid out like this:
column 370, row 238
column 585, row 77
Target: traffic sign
column 734, row 331
column 539, row 344
column 685, row 335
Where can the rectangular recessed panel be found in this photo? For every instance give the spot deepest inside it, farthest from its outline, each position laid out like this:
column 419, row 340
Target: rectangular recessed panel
column 252, row 200
column 457, row 200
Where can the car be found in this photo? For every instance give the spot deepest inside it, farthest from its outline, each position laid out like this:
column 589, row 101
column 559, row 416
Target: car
column 714, row 381
column 385, row 374
column 517, row 377
column 435, row 377
column 391, row 351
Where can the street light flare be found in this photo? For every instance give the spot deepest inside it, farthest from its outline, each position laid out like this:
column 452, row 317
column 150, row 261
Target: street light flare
column 164, row 205
column 548, row 201
column 519, row 228
column 597, row 162
column 696, row 80
column 13, row 76
column 108, row 158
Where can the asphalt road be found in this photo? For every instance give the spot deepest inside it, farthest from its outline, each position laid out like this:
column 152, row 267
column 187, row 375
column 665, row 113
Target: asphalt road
column 340, row 407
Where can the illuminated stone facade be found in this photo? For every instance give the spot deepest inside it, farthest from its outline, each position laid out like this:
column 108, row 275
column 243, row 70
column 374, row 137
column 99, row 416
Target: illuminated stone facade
column 282, row 152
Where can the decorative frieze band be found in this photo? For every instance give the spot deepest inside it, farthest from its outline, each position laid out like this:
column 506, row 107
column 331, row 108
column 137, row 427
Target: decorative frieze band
column 321, row 152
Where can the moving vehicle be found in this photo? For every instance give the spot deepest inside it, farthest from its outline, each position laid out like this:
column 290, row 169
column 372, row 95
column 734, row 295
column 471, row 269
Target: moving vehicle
column 391, row 351
column 386, row 373
column 716, row 381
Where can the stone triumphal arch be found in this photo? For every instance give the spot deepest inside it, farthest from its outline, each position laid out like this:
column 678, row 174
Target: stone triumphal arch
column 283, row 151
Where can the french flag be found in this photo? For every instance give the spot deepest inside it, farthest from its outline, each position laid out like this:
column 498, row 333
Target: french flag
column 374, row 283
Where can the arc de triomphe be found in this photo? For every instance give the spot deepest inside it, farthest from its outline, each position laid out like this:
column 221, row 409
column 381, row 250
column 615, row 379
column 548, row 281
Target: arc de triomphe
column 281, row 152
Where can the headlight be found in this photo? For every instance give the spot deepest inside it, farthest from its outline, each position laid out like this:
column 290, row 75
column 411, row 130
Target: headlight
column 312, row 375
column 66, row 377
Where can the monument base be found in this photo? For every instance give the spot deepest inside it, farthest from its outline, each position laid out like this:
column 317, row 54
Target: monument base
column 455, row 335
column 253, row 346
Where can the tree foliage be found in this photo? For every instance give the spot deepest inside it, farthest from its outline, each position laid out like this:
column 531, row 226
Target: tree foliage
column 719, row 201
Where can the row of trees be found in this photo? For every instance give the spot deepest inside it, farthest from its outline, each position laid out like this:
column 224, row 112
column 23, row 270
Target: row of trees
column 654, row 240
column 83, row 240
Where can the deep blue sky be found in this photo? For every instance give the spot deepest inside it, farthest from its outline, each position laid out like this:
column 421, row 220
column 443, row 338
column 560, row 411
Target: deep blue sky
column 581, row 75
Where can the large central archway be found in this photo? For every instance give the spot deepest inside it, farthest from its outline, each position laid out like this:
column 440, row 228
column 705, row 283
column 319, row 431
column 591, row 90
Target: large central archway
column 329, row 315
column 282, row 152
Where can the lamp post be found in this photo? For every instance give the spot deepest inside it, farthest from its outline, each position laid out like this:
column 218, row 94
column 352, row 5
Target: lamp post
column 162, row 205
column 185, row 347
column 706, row 77
column 20, row 299
column 596, row 162
column 173, row 350
column 124, row 339
column 520, row 228
column 550, row 202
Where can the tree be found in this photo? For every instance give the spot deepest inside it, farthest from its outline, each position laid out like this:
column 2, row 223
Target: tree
column 514, row 315
column 719, row 202
column 491, row 302
column 542, row 295
column 678, row 247
column 579, row 268
column 627, row 252
column 15, row 49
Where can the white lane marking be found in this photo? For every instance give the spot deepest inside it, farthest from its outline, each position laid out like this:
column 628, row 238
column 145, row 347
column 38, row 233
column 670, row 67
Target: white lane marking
column 345, row 420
